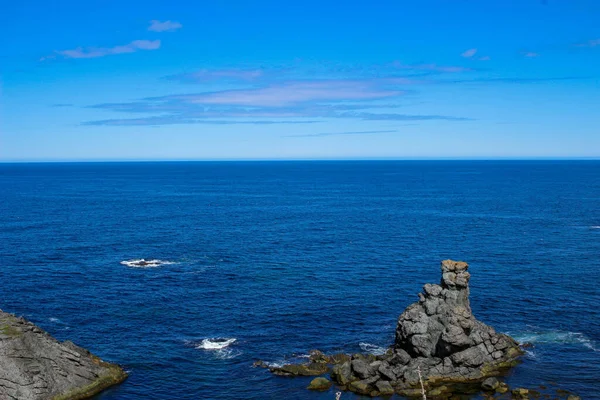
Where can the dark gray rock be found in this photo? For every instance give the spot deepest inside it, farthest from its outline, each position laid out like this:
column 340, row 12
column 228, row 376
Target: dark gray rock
column 490, row 384
column 342, row 373
column 35, row 366
column 384, row 388
column 437, row 337
column 441, row 325
column 361, row 369
column 386, row 372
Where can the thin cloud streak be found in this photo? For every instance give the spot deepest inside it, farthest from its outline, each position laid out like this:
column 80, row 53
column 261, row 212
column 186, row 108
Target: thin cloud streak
column 94, row 52
column 182, row 120
column 515, row 80
column 589, row 43
column 218, row 75
column 530, row 54
column 469, row 53
column 167, row 26
column 290, row 93
column 340, row 133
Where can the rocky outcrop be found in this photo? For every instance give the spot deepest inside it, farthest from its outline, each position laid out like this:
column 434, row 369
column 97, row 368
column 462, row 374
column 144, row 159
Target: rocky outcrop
column 440, row 334
column 438, row 341
column 35, row 366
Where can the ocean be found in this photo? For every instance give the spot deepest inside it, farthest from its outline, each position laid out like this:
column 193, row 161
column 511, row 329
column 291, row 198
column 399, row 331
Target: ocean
column 268, row 260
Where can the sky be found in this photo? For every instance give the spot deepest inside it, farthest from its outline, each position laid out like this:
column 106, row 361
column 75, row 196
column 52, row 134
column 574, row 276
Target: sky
column 235, row 80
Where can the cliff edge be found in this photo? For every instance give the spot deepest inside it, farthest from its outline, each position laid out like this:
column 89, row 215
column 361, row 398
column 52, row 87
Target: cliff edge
column 35, row 366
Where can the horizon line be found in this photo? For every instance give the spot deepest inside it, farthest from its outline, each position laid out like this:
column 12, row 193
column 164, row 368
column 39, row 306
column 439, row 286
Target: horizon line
column 174, row 160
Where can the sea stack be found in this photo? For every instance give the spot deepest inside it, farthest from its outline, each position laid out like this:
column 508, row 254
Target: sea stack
column 440, row 335
column 440, row 347
column 35, row 366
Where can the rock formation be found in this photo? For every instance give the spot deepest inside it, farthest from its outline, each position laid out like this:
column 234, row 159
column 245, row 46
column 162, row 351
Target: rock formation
column 437, row 338
column 440, row 333
column 35, row 366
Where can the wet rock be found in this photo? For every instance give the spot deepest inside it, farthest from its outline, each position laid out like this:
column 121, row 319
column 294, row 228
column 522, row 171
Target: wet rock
column 384, row 388
column 360, row 387
column 35, row 366
column 490, row 384
column 502, row 388
column 320, row 384
column 310, row 369
column 342, row 373
column 520, row 393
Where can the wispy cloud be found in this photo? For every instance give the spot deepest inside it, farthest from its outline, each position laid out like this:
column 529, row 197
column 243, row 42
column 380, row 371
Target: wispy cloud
column 166, row 26
column 431, row 67
column 589, row 43
column 340, row 133
column 529, row 54
column 221, row 75
column 516, row 80
column 183, row 120
column 293, row 92
column 279, row 95
column 94, row 52
column 469, row 53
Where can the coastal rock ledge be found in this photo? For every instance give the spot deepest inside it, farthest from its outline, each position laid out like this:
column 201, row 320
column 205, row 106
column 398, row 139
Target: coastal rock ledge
column 35, row 366
column 438, row 341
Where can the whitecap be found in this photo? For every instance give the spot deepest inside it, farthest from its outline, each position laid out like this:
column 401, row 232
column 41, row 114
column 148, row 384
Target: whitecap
column 143, row 263
column 215, row 343
column 555, row 337
column 372, row 348
column 55, row 320
column 595, row 227
column 219, row 347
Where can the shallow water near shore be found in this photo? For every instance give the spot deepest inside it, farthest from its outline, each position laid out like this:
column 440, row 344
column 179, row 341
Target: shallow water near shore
column 267, row 260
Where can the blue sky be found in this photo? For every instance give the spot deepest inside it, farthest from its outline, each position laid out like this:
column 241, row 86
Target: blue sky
column 154, row 80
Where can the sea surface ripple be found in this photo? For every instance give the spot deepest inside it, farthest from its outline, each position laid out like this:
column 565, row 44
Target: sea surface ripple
column 267, row 260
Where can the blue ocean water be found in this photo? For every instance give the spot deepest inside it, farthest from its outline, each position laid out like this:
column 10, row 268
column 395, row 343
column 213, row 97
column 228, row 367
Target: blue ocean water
column 285, row 257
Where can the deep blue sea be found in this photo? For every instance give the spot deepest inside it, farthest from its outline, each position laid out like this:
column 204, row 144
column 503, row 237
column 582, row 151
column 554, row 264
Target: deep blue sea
column 285, row 257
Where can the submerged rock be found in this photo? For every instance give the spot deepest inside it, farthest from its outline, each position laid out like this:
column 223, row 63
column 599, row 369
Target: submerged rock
column 320, row 384
column 35, row 366
column 437, row 340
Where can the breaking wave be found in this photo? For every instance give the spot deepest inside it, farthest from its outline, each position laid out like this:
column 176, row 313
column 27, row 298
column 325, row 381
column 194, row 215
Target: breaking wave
column 215, row 344
column 220, row 347
column 143, row 263
column 555, row 337
column 372, row 348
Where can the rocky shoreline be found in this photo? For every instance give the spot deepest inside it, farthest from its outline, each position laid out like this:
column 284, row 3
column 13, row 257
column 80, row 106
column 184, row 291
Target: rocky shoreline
column 440, row 347
column 35, row 366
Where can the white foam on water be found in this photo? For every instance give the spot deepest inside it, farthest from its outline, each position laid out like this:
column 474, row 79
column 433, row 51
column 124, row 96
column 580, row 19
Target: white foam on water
column 595, row 227
column 275, row 364
column 215, row 344
column 52, row 319
column 555, row 337
column 372, row 348
column 143, row 263
column 530, row 354
column 219, row 347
